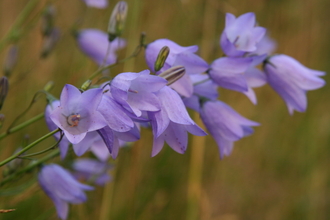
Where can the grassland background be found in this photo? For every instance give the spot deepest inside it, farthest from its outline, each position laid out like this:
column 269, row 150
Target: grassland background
column 280, row 172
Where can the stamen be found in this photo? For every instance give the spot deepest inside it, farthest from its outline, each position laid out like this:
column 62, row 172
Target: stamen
column 73, row 120
column 134, row 91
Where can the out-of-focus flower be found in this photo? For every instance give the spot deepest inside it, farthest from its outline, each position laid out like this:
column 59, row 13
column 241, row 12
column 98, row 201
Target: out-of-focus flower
column 96, row 3
column 64, row 144
column 94, row 43
column 50, row 42
column 136, row 91
column 225, row 125
column 10, row 60
column 172, row 123
column 47, row 22
column 265, row 46
column 290, row 79
column 92, row 170
column 62, row 188
column 77, row 113
column 178, row 56
column 240, row 34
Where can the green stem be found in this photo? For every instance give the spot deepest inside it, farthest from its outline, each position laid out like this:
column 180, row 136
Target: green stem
column 11, row 34
column 31, row 166
column 21, row 126
column 28, row 147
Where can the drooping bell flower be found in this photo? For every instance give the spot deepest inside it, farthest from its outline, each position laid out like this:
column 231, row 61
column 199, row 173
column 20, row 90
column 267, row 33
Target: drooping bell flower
column 178, row 56
column 95, row 44
column 240, row 34
column 62, row 188
column 136, row 91
column 172, row 123
column 77, row 113
column 225, row 125
column 291, row 80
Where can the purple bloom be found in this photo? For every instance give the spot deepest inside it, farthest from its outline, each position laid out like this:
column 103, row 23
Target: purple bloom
column 172, row 123
column 77, row 113
column 240, row 34
column 96, row 3
column 265, row 46
column 62, row 188
column 92, row 170
column 136, row 91
column 94, row 43
column 64, row 144
column 225, row 125
column 290, row 79
column 178, row 55
column 228, row 72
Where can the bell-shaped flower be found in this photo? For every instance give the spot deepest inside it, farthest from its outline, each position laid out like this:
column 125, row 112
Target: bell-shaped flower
column 92, row 170
column 178, row 56
column 225, row 125
column 96, row 3
column 172, row 123
column 290, row 79
column 77, row 113
column 64, row 143
column 240, row 34
column 62, row 188
column 136, row 91
column 95, row 44
column 228, row 72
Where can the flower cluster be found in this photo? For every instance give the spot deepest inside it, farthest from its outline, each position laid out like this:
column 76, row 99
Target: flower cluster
column 105, row 117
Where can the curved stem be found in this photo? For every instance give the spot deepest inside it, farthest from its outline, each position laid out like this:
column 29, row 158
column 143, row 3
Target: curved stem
column 28, row 147
column 21, row 126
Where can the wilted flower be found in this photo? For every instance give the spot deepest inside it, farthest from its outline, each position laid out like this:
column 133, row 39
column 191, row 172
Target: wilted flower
column 62, row 188
column 240, row 34
column 78, row 113
column 94, row 43
column 117, row 20
column 225, row 125
column 290, row 79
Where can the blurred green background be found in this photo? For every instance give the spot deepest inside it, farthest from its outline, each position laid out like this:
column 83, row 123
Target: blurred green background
column 280, row 172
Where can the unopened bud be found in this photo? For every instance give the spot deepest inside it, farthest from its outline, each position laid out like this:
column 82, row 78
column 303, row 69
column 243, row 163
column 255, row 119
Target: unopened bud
column 161, row 58
column 49, row 86
column 86, row 85
column 10, row 60
column 50, row 42
column 117, row 20
column 4, row 85
column 47, row 24
column 173, row 74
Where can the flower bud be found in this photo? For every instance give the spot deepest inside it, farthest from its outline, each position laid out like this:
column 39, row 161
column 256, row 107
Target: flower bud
column 47, row 24
column 4, row 85
column 117, row 20
column 13, row 165
column 10, row 60
column 161, row 58
column 49, row 42
column 173, row 74
column 86, row 85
